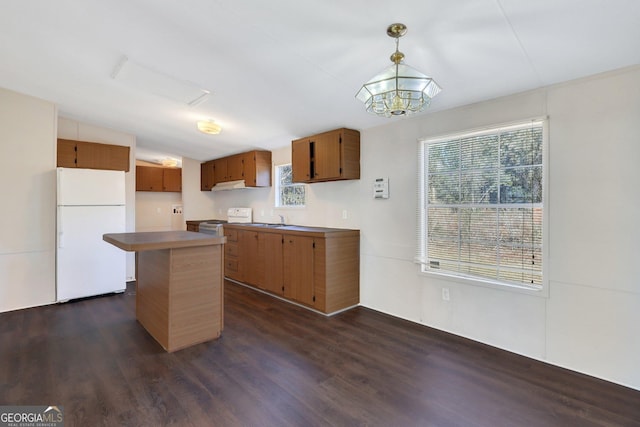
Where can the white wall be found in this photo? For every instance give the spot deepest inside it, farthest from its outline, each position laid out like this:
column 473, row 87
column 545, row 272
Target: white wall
column 198, row 205
column 154, row 211
column 79, row 131
column 27, row 229
column 590, row 320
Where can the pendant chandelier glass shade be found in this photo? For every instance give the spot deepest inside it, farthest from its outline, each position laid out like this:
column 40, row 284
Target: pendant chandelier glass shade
column 400, row 89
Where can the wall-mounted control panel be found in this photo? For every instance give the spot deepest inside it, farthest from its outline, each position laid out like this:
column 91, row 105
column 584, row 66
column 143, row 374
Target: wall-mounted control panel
column 381, row 188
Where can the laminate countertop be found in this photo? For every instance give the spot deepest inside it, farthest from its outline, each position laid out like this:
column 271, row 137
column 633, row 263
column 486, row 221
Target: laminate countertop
column 154, row 240
column 294, row 229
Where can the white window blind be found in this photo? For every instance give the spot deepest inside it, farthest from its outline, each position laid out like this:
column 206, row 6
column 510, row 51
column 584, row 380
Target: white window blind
column 481, row 212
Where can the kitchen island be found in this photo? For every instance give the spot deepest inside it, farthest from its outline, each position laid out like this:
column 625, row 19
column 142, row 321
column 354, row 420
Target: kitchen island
column 179, row 284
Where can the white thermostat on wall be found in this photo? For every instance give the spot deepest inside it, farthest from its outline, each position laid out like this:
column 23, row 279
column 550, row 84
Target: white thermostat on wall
column 381, row 188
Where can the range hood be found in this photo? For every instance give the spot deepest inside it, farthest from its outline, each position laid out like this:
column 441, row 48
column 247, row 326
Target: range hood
column 229, row 185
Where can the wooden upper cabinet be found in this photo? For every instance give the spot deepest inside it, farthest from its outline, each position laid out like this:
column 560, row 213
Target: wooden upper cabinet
column 172, row 179
column 328, row 156
column 207, row 177
column 92, row 155
column 220, row 171
column 150, row 178
column 235, row 167
column 257, row 168
column 300, row 160
column 66, row 153
column 254, row 167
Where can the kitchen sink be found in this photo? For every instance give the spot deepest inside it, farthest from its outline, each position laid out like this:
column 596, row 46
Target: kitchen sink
column 267, row 225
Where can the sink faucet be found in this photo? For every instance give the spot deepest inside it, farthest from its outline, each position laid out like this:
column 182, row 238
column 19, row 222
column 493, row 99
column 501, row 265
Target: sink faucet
column 281, row 219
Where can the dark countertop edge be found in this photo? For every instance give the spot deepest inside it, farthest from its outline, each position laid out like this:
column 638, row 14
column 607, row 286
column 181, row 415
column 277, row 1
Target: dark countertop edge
column 200, row 221
column 297, row 229
column 155, row 240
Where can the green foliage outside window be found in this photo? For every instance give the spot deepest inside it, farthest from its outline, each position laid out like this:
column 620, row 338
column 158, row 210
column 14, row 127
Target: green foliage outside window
column 484, row 205
column 288, row 193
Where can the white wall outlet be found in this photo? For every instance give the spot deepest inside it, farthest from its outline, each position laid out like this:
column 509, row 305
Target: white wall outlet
column 445, row 294
column 344, row 214
column 176, row 209
column 262, row 212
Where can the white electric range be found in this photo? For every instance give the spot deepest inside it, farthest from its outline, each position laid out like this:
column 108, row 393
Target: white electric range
column 234, row 215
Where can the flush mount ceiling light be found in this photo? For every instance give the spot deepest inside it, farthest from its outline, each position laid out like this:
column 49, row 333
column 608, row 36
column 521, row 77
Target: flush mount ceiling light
column 398, row 90
column 209, row 127
column 169, row 162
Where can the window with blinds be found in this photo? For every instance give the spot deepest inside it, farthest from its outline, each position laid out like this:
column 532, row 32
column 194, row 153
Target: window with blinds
column 482, row 205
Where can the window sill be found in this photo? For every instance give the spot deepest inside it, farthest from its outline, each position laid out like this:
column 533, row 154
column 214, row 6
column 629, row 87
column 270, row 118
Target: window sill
column 289, row 207
column 542, row 292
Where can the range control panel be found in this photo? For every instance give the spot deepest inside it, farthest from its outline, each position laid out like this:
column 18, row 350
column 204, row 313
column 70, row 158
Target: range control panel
column 240, row 215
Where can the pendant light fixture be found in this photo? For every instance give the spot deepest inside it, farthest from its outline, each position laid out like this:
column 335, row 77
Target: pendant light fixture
column 400, row 89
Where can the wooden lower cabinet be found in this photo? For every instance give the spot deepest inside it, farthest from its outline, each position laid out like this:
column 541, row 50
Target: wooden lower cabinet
column 298, row 257
column 231, row 255
column 270, row 262
column 318, row 270
column 248, row 257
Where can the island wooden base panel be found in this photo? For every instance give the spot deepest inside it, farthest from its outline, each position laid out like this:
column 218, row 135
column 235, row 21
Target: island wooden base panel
column 180, row 295
column 277, row 364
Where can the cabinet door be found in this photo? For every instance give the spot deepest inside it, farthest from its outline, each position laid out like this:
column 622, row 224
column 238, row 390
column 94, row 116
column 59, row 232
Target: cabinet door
column 172, row 179
column 248, row 257
column 220, row 170
column 206, row 176
column 270, row 259
column 301, row 160
column 66, row 153
column 148, row 178
column 326, row 156
column 298, row 269
column 235, row 167
column 250, row 172
column 92, row 155
column 257, row 168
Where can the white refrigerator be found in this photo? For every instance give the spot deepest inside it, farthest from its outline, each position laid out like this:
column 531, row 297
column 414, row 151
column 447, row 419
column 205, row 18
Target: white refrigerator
column 90, row 203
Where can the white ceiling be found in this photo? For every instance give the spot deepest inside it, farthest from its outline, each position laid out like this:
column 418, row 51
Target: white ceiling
column 283, row 69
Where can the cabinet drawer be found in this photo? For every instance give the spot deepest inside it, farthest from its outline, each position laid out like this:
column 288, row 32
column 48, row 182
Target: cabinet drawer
column 232, row 235
column 231, row 250
column 231, row 265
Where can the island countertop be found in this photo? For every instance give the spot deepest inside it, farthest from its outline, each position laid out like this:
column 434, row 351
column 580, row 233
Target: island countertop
column 154, row 240
column 179, row 284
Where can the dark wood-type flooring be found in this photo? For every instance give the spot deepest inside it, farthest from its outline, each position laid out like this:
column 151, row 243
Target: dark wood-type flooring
column 280, row 365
